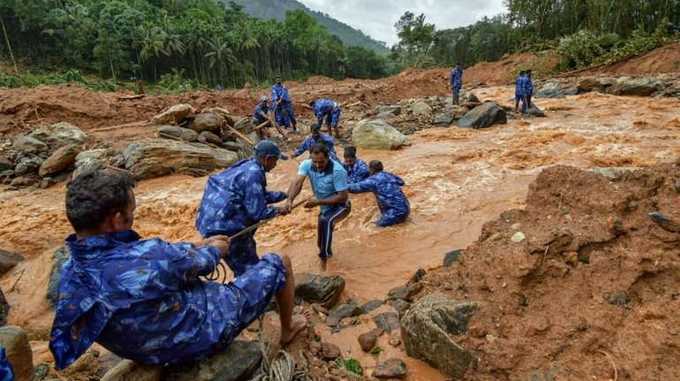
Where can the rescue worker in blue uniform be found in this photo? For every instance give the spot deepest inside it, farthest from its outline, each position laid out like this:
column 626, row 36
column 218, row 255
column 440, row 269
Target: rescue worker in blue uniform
column 520, row 91
column 328, row 179
column 284, row 113
column 392, row 202
column 261, row 115
column 357, row 170
column 327, row 111
column 237, row 198
column 143, row 299
column 529, row 89
column 6, row 372
column 314, row 138
column 456, row 83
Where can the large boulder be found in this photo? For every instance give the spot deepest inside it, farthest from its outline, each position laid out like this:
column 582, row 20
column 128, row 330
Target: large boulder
column 483, row 116
column 535, row 111
column 59, row 135
column 128, row 370
column 314, row 288
column 59, row 258
column 91, row 160
column 177, row 133
column 589, row 84
column 428, row 328
column 61, row 160
column 173, row 115
column 421, row 108
column 18, row 351
column 208, row 121
column 29, row 145
column 207, row 137
column 159, row 157
column 8, row 260
column 237, row 363
column 377, row 134
column 555, row 89
column 642, row 87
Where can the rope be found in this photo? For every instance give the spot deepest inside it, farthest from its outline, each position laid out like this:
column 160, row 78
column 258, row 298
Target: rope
column 282, row 368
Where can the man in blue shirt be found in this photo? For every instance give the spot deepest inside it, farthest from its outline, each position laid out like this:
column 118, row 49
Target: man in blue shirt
column 237, row 198
column 327, row 111
column 144, row 299
column 529, row 89
column 456, row 83
column 283, row 106
column 315, row 138
column 357, row 170
column 393, row 204
column 520, row 91
column 329, row 183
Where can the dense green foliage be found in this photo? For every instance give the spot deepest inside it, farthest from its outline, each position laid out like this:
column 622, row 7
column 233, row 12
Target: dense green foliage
column 200, row 40
column 276, row 9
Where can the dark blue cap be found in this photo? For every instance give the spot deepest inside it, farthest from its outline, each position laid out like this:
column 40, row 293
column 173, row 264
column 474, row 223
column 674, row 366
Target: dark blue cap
column 269, row 148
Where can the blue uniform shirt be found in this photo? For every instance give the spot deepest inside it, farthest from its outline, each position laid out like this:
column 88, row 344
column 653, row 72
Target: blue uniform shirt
column 280, row 92
column 528, row 86
column 357, row 172
column 260, row 113
column 392, row 202
column 235, row 199
column 520, row 87
column 309, row 142
column 457, row 78
column 327, row 183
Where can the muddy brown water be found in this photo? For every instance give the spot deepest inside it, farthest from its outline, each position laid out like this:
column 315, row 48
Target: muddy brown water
column 457, row 180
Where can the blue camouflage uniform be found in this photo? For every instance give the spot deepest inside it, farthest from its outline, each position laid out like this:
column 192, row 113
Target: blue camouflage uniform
column 233, row 200
column 260, row 115
column 284, row 113
column 309, row 142
column 521, row 91
column 328, row 110
column 6, row 372
column 357, row 172
column 392, row 202
column 456, row 81
column 143, row 300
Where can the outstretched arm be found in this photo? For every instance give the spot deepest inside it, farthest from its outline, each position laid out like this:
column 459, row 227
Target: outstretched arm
column 294, row 190
column 364, row 186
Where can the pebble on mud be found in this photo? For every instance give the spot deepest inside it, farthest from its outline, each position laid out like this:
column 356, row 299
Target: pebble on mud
column 392, row 368
column 330, row 352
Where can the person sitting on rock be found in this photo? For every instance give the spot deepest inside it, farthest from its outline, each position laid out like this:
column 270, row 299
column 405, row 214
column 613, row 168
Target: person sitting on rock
column 314, row 138
column 357, row 170
column 327, row 111
column 237, row 198
column 283, row 106
column 144, row 300
column 392, row 202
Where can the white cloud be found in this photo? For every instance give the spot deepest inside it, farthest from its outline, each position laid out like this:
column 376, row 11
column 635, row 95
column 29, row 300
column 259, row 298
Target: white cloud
column 377, row 17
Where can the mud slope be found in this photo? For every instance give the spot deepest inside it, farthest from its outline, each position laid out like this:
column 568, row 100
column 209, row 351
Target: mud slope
column 592, row 288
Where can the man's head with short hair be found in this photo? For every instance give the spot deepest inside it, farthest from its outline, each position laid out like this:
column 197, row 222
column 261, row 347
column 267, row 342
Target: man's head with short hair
column 278, row 79
column 316, row 130
column 320, row 156
column 350, row 155
column 268, row 154
column 100, row 202
column 522, row 72
column 264, row 99
column 458, row 64
column 375, row 166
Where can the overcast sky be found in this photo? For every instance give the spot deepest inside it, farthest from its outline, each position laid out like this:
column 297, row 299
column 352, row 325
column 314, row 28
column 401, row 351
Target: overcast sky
column 377, row 17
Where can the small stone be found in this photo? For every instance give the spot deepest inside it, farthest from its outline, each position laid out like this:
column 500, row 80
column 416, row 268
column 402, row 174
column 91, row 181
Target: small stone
column 387, row 321
column 314, row 288
column 418, row 276
column 395, row 339
column 404, row 293
column 392, row 368
column 371, row 306
column 516, row 226
column 619, row 298
column 367, row 340
column 452, row 257
column 330, row 352
column 401, row 306
column 518, row 237
column 341, row 312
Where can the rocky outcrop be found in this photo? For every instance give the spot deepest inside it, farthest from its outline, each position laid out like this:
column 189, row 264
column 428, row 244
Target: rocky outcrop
column 29, row 145
column 641, row 87
column 177, row 133
column 237, row 363
column 484, row 116
column 556, row 89
column 314, row 288
column 428, row 329
column 61, row 160
column 173, row 115
column 91, row 160
column 59, row 135
column 159, row 157
column 28, row 165
column 377, row 134
column 18, row 350
column 208, row 121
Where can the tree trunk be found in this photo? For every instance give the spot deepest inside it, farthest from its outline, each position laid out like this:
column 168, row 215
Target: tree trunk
column 9, row 46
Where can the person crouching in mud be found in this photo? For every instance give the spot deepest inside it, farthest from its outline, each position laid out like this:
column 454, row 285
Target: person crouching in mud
column 392, row 202
column 143, row 299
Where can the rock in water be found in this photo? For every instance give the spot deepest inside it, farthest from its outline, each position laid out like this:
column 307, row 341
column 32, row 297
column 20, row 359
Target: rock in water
column 128, row 370
column 59, row 257
column 159, row 157
column 642, row 87
column 377, row 134
column 18, row 351
column 314, row 288
column 392, row 368
column 555, row 89
column 174, row 115
column 535, row 111
column 587, row 85
column 59, row 135
column 426, row 332
column 368, row 340
column 8, row 260
column 208, row 121
column 177, row 133
column 237, row 363
column 61, row 160
column 483, row 116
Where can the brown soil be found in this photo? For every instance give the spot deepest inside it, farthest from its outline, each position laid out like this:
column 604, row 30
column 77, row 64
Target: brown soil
column 665, row 59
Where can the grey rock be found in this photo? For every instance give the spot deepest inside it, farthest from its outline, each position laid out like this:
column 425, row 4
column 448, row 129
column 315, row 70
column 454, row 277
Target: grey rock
column 664, row 222
column 555, row 89
column 8, row 260
column 420, row 108
column 427, row 328
column 159, row 157
column 92, row 160
column 177, row 133
column 399, row 305
column 59, row 258
column 405, row 292
column 341, row 312
column 377, row 134
column 483, row 116
column 388, row 110
column 207, row 137
column 28, row 144
column 25, row 181
column 368, row 340
column 208, row 121
column 372, row 306
column 173, row 115
column 642, row 87
column 612, row 173
column 387, row 321
column 443, row 119
column 18, row 350
column 59, row 135
column 27, row 165
column 314, row 288
column 128, row 370
column 61, row 160
column 452, row 257
column 237, row 363
column 391, row 369
column 535, row 111
column 6, row 164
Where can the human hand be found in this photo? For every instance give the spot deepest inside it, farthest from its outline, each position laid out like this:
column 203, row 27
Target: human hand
column 312, row 203
column 221, row 242
column 283, row 210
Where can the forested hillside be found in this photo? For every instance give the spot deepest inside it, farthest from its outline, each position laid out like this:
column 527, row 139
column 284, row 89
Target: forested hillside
column 276, row 9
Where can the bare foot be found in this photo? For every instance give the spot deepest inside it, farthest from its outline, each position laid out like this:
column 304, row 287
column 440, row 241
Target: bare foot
column 288, row 335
